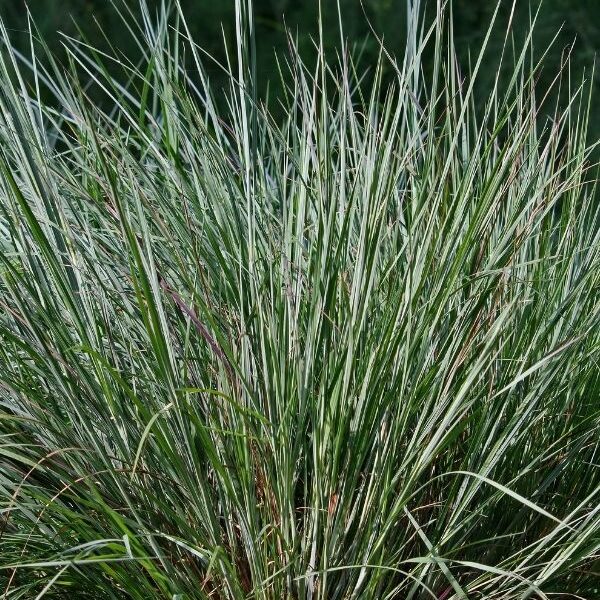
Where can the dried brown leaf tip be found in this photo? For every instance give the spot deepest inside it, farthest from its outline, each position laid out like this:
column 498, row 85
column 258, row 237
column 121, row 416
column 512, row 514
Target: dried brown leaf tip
column 333, row 500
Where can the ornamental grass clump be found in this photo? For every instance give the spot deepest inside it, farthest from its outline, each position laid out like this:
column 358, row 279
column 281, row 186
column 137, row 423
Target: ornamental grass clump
column 350, row 353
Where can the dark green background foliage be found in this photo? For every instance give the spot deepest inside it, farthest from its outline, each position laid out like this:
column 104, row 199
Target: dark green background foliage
column 209, row 20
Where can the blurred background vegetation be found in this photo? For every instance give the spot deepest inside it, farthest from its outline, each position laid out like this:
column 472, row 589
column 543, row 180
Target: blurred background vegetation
column 212, row 20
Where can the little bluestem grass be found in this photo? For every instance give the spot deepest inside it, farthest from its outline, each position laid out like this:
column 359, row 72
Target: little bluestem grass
column 348, row 354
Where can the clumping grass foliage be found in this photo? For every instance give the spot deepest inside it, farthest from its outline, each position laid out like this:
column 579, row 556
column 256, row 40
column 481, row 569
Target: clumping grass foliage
column 347, row 354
